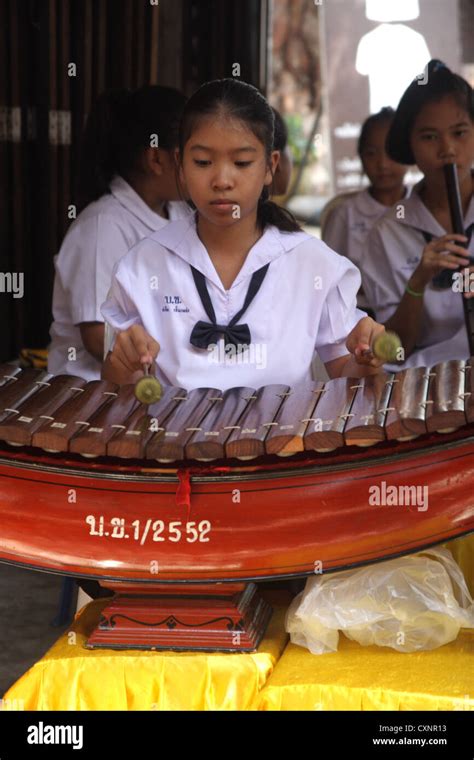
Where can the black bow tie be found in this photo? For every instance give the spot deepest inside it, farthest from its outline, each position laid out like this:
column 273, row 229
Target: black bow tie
column 205, row 334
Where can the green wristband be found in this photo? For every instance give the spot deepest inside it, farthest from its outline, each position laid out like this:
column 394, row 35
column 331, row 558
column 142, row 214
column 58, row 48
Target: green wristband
column 414, row 292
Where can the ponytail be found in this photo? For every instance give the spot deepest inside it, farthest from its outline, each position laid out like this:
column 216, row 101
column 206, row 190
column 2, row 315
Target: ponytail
column 269, row 212
column 118, row 129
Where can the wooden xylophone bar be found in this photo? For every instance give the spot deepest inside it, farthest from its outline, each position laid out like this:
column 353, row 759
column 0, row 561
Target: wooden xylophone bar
column 68, row 414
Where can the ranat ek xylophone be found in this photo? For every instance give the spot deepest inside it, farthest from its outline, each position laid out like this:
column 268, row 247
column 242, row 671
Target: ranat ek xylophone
column 181, row 540
column 67, row 414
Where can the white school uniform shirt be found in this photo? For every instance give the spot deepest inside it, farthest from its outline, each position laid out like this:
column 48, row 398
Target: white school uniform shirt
column 394, row 250
column 347, row 228
column 102, row 233
column 307, row 301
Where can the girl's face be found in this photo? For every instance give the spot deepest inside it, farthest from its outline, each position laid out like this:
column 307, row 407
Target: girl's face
column 443, row 133
column 383, row 173
column 224, row 169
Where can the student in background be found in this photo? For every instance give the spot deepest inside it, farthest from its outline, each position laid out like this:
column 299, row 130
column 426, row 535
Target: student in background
column 282, row 177
column 414, row 242
column 348, row 224
column 127, row 190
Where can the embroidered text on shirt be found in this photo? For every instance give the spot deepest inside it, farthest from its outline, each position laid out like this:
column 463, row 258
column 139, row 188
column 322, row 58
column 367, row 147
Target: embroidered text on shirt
column 174, row 301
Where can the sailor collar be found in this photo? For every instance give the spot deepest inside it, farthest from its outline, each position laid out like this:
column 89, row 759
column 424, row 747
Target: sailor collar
column 412, row 212
column 181, row 238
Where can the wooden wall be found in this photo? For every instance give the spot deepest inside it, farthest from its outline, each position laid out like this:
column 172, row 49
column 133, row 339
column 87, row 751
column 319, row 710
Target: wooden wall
column 44, row 102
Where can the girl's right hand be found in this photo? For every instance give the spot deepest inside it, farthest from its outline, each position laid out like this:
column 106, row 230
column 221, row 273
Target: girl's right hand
column 434, row 260
column 133, row 349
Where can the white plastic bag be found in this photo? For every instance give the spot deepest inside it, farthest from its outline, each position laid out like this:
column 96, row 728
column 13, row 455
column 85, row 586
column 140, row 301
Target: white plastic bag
column 412, row 603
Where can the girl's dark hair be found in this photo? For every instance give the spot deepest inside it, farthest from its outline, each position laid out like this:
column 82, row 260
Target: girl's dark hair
column 118, row 128
column 437, row 82
column 384, row 116
column 280, row 136
column 233, row 99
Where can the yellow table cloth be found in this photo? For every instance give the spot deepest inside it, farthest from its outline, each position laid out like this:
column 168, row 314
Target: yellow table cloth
column 379, row 678
column 373, row 678
column 70, row 677
column 462, row 550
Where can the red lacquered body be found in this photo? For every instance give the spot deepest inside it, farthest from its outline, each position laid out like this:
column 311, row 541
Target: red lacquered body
column 267, row 521
column 179, row 543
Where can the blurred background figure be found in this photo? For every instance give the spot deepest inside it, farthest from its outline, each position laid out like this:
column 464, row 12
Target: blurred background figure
column 348, row 218
column 127, row 191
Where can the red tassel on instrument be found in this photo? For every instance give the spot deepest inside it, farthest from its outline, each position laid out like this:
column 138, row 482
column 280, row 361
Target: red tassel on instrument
column 183, row 492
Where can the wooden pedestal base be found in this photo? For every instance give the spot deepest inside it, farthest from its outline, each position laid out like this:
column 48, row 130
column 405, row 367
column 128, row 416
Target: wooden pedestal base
column 203, row 619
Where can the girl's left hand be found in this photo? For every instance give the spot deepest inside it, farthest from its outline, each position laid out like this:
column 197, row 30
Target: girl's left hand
column 361, row 338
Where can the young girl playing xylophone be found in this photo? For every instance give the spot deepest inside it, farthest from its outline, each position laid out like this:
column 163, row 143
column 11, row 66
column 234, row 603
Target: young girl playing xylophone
column 238, row 294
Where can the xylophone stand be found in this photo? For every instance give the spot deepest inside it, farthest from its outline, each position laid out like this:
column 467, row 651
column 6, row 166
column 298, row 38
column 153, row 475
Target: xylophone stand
column 206, row 617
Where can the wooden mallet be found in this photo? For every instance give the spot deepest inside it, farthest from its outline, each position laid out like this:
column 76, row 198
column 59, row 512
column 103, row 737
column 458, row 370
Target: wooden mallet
column 385, row 346
column 148, row 389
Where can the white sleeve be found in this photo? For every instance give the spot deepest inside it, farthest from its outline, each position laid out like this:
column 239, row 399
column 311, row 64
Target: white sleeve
column 340, row 313
column 109, row 339
column 378, row 281
column 85, row 262
column 335, row 229
column 119, row 310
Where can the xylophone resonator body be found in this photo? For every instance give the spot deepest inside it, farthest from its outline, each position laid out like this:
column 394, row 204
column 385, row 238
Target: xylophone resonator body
column 188, row 500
